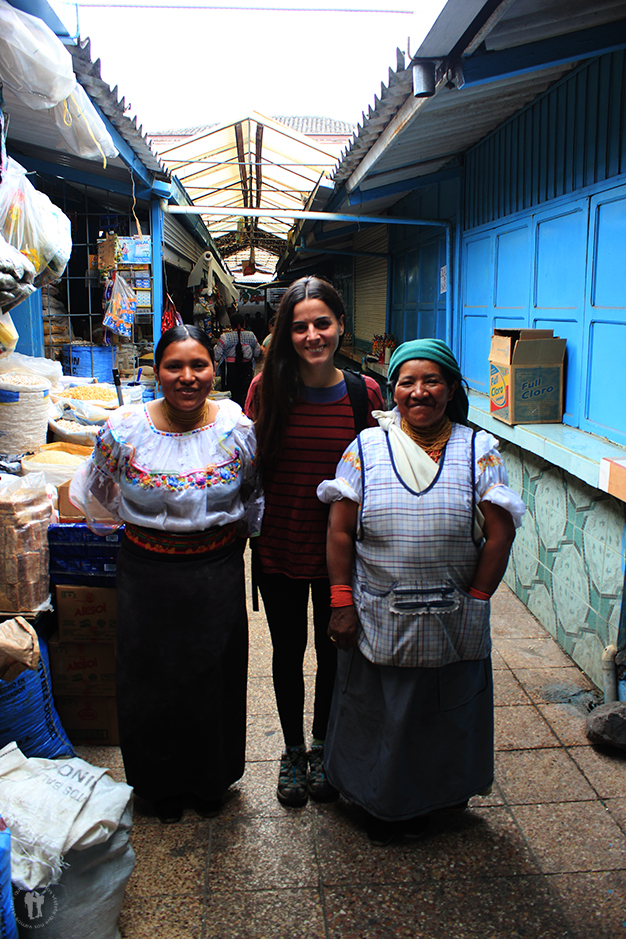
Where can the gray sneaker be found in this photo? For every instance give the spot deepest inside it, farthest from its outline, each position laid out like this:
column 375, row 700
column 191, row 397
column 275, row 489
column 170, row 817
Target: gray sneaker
column 319, row 788
column 292, row 787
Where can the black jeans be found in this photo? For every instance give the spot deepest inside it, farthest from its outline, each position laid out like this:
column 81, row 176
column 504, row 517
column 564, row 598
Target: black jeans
column 286, row 600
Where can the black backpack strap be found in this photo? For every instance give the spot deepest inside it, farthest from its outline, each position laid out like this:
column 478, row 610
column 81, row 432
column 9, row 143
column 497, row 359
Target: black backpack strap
column 357, row 392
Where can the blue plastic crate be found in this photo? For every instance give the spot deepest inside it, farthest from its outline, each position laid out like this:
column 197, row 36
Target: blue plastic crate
column 78, row 533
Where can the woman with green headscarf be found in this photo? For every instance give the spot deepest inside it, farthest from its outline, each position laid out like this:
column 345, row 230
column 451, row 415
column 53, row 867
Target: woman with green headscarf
column 420, row 530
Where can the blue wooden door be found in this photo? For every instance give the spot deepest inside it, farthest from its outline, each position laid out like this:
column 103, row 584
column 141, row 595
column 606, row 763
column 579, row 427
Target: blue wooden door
column 605, row 316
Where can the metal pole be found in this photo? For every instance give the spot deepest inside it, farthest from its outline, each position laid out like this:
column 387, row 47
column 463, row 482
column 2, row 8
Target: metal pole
column 301, row 213
column 336, row 217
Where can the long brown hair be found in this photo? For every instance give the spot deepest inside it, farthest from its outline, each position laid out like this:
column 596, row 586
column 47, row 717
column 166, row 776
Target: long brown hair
column 279, row 384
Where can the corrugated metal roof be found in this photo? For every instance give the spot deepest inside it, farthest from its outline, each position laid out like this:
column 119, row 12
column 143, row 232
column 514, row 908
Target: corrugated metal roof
column 453, row 120
column 312, row 126
column 88, row 74
column 254, row 162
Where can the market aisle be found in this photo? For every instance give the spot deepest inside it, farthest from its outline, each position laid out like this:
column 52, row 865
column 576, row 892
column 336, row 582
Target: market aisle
column 543, row 857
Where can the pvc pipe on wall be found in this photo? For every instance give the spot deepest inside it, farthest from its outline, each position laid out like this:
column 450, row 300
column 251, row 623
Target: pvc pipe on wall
column 609, row 676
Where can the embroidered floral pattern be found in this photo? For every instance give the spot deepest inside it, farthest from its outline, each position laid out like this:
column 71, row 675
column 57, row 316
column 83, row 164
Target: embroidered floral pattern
column 489, row 459
column 352, row 459
column 106, row 451
column 172, row 482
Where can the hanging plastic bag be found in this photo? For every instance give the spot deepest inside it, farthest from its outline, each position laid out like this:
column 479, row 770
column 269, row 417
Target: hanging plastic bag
column 121, row 308
column 82, row 128
column 17, row 276
column 34, row 63
column 33, row 224
column 171, row 317
column 8, row 334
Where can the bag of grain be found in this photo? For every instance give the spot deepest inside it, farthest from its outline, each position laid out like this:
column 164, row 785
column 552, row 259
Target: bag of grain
column 57, row 461
column 23, row 412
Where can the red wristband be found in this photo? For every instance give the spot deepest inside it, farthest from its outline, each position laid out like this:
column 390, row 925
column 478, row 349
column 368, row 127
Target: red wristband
column 478, row 594
column 340, row 595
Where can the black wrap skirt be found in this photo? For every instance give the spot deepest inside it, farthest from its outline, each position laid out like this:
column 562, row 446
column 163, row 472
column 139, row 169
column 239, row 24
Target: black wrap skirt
column 182, row 660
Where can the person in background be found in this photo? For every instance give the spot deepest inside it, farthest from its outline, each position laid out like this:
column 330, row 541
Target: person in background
column 180, row 473
column 304, row 418
column 235, row 354
column 421, row 525
column 258, row 326
column 268, row 338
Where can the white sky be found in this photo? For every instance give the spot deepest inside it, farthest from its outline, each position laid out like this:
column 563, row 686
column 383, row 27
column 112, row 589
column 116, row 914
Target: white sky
column 179, row 68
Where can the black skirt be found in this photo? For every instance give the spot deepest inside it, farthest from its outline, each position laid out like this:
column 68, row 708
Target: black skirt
column 182, row 661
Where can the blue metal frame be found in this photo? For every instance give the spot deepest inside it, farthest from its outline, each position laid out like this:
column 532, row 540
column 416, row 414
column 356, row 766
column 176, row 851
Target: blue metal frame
column 156, row 231
column 46, row 168
column 359, row 196
column 479, row 69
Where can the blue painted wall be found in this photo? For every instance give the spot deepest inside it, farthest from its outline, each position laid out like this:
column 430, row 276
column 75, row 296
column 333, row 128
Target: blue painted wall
column 27, row 317
column 569, row 138
column 418, row 305
column 545, row 238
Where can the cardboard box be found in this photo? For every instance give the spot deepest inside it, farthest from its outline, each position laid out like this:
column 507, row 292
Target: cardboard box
column 89, row 719
column 526, row 376
column 86, row 613
column 82, row 667
column 108, row 248
column 612, row 477
column 67, row 511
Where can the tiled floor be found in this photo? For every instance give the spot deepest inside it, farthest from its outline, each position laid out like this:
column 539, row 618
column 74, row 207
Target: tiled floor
column 542, row 857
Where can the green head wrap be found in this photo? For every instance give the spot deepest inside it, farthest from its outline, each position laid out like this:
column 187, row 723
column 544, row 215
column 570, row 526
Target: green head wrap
column 435, row 351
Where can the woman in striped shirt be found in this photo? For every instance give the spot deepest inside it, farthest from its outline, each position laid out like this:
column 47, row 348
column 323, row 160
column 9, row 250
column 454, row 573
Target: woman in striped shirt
column 304, row 421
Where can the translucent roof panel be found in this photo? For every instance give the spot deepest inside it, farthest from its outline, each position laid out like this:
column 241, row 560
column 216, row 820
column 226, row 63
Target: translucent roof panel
column 255, row 162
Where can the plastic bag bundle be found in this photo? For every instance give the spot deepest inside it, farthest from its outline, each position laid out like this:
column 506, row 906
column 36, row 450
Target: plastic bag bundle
column 82, row 128
column 33, row 224
column 16, row 277
column 34, row 63
column 23, row 412
column 25, row 513
column 121, row 308
column 8, row 334
column 33, row 365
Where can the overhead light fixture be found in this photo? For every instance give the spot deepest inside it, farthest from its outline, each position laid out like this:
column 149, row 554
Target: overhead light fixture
column 424, row 78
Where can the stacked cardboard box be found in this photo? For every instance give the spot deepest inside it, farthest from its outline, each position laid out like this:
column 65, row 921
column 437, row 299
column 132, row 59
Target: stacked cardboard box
column 82, row 663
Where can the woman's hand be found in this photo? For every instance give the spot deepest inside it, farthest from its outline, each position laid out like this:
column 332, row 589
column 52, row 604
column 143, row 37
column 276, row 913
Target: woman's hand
column 343, row 626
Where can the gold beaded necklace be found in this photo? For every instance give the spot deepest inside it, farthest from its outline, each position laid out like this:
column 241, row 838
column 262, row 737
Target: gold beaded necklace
column 431, row 439
column 186, row 420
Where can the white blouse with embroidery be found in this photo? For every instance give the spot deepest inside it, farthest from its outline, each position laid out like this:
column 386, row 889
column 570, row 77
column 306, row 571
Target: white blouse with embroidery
column 181, row 483
column 491, row 478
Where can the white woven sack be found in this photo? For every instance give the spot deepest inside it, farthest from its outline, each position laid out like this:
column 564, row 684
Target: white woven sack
column 23, row 413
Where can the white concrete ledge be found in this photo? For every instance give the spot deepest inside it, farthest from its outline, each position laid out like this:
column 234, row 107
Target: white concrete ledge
column 573, row 450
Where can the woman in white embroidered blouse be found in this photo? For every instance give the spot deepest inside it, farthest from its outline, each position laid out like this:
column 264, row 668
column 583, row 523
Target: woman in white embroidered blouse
column 420, row 529
column 180, row 473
